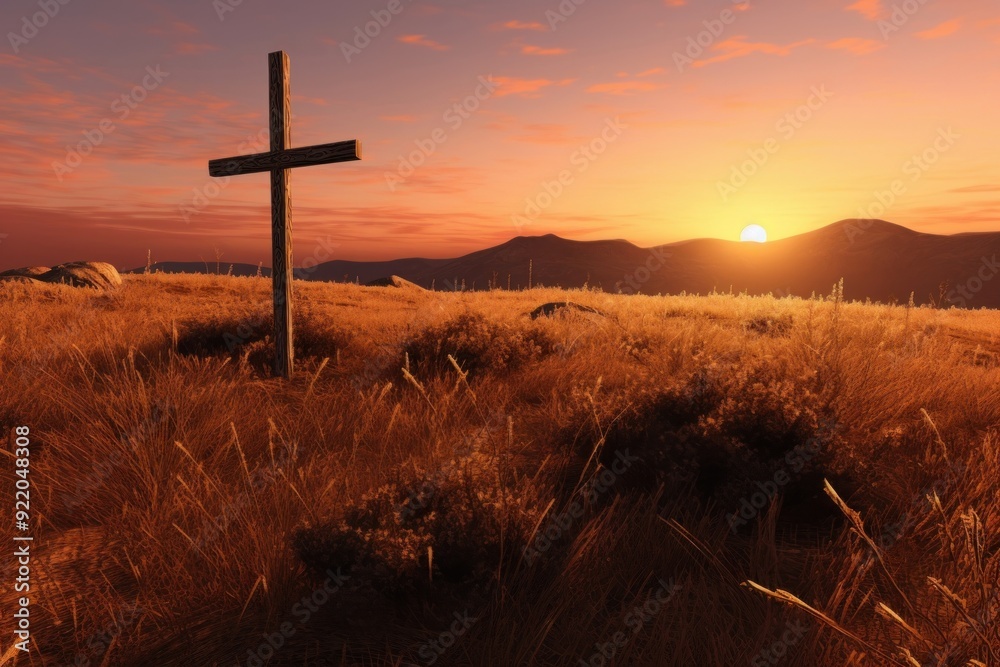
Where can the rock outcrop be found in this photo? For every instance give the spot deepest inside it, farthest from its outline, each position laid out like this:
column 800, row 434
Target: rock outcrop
column 393, row 281
column 550, row 309
column 99, row 275
column 28, row 272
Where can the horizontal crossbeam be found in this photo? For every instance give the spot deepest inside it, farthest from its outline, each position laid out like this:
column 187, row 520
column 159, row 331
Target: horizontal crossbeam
column 308, row 156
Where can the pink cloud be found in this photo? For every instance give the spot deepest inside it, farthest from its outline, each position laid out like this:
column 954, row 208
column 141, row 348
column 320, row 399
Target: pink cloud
column 738, row 47
column 422, row 40
column 941, row 30
column 523, row 25
column 510, row 85
column 870, row 9
column 531, row 50
column 856, row 45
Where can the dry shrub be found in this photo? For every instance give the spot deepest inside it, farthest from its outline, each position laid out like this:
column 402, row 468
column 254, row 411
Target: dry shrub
column 728, row 431
column 455, row 524
column 248, row 335
column 763, row 412
column 478, row 344
column 776, row 326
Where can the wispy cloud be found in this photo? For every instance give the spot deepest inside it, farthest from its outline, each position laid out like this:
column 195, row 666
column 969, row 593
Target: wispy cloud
column 870, row 9
column 512, row 85
column 985, row 187
column 522, row 25
column 857, row 45
column 423, row 40
column 941, row 30
column 532, row 50
column 738, row 47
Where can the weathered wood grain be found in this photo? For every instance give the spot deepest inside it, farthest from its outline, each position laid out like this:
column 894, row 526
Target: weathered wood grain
column 308, row 156
column 281, row 215
column 279, row 161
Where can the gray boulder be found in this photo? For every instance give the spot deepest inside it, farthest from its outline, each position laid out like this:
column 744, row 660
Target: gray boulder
column 99, row 275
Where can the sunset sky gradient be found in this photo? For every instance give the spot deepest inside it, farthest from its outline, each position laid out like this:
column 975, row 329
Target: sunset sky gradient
column 891, row 84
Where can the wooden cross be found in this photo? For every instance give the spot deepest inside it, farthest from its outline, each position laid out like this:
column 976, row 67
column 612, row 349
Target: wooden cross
column 279, row 161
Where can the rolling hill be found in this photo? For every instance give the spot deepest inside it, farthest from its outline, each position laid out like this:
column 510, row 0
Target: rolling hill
column 877, row 260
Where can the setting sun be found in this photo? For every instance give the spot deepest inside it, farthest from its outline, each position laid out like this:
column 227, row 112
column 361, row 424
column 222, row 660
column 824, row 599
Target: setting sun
column 753, row 234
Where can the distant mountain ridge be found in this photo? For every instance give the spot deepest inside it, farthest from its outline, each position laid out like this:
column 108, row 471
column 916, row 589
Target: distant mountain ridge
column 877, row 259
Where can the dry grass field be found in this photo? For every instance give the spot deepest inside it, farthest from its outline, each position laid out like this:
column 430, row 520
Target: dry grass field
column 447, row 481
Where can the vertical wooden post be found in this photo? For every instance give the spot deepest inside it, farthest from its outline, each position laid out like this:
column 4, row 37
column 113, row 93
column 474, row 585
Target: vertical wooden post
column 279, row 162
column 281, row 214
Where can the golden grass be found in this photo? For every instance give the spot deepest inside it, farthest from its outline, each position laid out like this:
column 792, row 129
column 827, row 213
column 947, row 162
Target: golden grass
column 184, row 502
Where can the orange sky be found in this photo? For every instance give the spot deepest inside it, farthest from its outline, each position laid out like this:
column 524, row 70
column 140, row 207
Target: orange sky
column 792, row 115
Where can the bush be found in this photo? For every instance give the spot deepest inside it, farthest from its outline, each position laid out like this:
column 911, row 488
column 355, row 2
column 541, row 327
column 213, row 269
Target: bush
column 250, row 335
column 725, row 433
column 776, row 327
column 451, row 522
column 478, row 344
